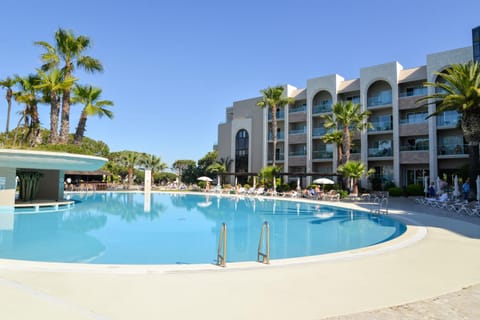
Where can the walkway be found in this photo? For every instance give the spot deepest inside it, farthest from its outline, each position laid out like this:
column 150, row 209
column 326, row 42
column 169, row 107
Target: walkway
column 434, row 277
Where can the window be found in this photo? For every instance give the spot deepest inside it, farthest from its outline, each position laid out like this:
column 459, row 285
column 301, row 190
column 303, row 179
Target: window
column 241, row 151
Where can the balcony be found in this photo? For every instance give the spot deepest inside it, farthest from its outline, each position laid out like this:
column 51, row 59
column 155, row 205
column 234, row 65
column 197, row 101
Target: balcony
column 380, row 152
column 297, row 131
column 318, row 132
column 297, row 153
column 452, row 149
column 414, row 92
column 295, row 109
column 322, row 154
column 280, row 136
column 278, row 157
column 322, row 108
column 382, row 98
column 379, row 126
column 448, row 121
column 280, row 115
column 417, row 147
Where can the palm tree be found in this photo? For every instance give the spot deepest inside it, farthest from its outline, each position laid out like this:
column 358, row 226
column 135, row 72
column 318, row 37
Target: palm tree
column 354, row 170
column 90, row 97
column 347, row 116
column 153, row 163
column 68, row 49
column 336, row 137
column 226, row 162
column 273, row 98
column 28, row 96
column 53, row 83
column 8, row 83
column 459, row 89
column 130, row 160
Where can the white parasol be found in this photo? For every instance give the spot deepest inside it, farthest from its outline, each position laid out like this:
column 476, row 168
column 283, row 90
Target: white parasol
column 323, row 181
column 456, row 189
column 438, row 186
column 205, row 179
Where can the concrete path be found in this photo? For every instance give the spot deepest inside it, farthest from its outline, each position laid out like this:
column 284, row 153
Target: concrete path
column 432, row 272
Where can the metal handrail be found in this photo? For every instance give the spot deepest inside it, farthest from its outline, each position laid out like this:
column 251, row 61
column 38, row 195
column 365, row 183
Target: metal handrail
column 222, row 247
column 264, row 257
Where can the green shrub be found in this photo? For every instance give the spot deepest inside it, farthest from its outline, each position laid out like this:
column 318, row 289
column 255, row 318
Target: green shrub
column 343, row 193
column 415, row 190
column 395, row 191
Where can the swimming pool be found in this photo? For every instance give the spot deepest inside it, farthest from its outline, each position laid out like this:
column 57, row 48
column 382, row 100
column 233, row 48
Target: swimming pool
column 130, row 228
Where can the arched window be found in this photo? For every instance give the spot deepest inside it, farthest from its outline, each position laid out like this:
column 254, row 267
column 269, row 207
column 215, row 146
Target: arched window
column 241, row 151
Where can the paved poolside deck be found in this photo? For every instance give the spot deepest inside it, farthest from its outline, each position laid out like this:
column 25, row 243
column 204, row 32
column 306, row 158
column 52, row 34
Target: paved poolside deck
column 432, row 275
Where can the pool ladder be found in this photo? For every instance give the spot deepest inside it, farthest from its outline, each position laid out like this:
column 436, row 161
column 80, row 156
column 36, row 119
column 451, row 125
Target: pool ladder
column 222, row 247
column 262, row 256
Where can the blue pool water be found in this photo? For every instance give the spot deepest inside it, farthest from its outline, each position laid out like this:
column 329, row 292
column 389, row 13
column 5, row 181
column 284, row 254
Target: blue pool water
column 118, row 228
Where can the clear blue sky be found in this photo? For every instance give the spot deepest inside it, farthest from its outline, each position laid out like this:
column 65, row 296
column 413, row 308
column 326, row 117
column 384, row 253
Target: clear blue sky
column 172, row 67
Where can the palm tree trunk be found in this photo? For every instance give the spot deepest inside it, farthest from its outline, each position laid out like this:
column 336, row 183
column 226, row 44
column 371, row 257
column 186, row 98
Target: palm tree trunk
column 346, row 145
column 9, row 109
column 54, row 112
column 65, row 121
column 82, row 123
column 274, row 133
column 37, row 137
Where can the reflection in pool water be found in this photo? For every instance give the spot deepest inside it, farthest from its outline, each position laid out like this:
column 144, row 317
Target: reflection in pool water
column 119, row 228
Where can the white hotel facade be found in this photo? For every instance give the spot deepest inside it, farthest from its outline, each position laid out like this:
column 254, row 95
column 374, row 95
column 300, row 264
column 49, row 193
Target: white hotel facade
column 403, row 146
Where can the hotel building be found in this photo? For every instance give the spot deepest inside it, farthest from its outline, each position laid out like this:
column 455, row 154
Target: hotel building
column 402, row 146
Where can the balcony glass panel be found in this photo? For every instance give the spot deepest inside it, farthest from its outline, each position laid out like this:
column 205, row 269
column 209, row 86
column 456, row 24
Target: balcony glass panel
column 302, row 130
column 278, row 156
column 449, row 149
column 380, row 98
column 413, row 118
column 322, row 154
column 448, row 119
column 380, row 152
column 381, row 123
column 323, row 107
column 413, row 92
column 297, row 153
column 280, row 115
column 318, row 132
column 280, row 136
column 299, row 108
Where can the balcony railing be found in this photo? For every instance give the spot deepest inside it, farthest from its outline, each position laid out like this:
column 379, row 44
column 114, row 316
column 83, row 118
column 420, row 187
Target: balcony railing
column 418, row 118
column 380, row 126
column 298, row 131
column 318, row 132
column 448, row 120
column 280, row 115
column 299, row 153
column 380, row 99
column 280, row 136
column 380, row 152
column 450, row 149
column 301, row 108
column 278, row 156
column 418, row 147
column 320, row 154
column 414, row 92
column 322, row 108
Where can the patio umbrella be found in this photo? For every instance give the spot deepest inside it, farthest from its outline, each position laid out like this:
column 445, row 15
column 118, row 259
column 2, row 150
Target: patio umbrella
column 478, row 188
column 205, row 179
column 437, row 186
column 425, row 185
column 219, row 180
column 456, row 189
column 323, row 181
column 298, row 184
